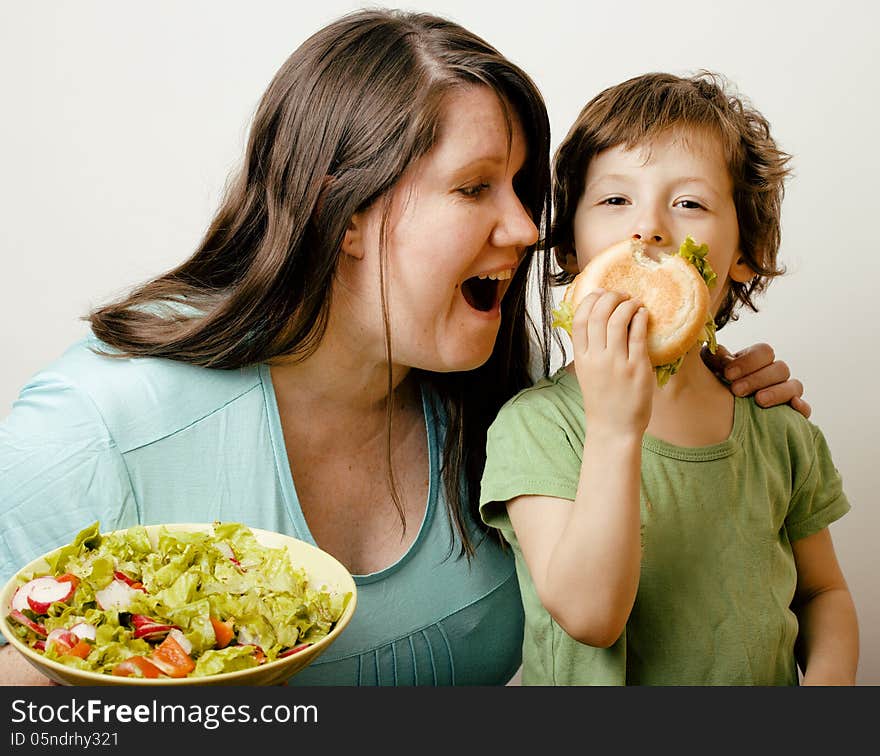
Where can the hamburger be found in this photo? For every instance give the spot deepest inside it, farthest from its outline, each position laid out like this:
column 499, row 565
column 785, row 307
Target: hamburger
column 673, row 288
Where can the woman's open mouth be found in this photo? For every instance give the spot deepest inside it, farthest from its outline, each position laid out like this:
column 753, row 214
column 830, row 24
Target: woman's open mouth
column 484, row 292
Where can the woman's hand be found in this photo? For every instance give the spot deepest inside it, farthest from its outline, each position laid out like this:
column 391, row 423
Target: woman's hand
column 609, row 338
column 755, row 369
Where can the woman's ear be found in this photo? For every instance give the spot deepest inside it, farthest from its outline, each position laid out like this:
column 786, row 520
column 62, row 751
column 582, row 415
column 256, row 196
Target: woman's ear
column 353, row 241
column 567, row 260
column 740, row 270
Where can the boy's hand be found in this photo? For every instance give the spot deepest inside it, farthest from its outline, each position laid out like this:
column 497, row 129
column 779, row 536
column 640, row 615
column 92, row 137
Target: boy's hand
column 756, row 369
column 609, row 333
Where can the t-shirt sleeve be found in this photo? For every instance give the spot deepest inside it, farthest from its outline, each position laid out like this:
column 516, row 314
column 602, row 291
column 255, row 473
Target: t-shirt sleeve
column 60, row 471
column 818, row 498
column 531, row 448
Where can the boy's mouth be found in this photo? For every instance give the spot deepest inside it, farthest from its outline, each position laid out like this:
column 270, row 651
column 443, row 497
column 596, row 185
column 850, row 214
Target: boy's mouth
column 484, row 292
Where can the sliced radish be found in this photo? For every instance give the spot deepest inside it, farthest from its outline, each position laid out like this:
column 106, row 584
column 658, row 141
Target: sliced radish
column 148, row 628
column 62, row 640
column 117, row 595
column 257, row 652
column 136, row 584
column 226, row 549
column 123, row 577
column 84, row 630
column 291, row 651
column 181, row 639
column 45, row 591
column 28, row 623
column 22, row 594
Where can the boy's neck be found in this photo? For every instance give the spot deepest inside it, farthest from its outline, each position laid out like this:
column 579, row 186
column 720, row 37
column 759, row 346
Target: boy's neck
column 694, row 408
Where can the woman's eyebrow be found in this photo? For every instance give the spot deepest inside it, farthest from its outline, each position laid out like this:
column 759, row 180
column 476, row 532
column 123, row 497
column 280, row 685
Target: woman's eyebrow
column 493, row 159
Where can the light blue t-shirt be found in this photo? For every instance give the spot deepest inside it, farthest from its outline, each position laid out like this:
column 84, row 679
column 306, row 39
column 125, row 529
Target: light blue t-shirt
column 127, row 441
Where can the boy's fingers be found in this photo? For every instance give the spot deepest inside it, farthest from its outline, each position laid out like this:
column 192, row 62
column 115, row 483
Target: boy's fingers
column 597, row 328
column 619, row 324
column 580, row 337
column 638, row 335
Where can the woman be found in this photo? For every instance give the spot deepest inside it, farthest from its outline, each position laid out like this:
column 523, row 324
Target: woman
column 327, row 362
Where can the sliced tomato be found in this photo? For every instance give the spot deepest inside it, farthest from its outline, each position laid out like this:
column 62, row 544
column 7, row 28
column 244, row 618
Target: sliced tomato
column 223, row 631
column 136, row 666
column 170, row 657
column 81, row 649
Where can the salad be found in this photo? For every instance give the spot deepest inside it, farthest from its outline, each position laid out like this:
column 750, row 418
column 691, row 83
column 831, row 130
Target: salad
column 189, row 604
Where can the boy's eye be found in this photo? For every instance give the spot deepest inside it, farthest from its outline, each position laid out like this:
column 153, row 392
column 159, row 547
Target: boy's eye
column 687, row 204
column 474, row 190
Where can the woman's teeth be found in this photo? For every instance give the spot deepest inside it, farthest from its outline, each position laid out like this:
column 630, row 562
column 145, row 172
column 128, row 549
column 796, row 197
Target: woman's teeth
column 501, row 275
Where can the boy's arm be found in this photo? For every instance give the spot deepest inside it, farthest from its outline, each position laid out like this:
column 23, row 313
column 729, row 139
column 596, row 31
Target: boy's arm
column 828, row 641
column 584, row 555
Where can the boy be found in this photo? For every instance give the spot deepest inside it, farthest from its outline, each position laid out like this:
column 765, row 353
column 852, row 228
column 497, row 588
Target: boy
column 673, row 535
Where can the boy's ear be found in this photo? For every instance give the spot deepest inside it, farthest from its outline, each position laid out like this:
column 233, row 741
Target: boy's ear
column 740, row 270
column 353, row 241
column 567, row 259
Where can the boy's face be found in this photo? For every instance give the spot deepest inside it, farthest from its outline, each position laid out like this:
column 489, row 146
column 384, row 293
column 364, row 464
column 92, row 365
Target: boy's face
column 677, row 186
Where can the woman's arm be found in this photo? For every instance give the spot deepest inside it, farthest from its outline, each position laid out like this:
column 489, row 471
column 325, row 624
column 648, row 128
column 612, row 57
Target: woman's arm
column 755, row 369
column 828, row 640
column 15, row 669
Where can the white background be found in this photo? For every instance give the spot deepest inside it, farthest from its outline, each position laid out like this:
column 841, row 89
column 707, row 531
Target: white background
column 121, row 121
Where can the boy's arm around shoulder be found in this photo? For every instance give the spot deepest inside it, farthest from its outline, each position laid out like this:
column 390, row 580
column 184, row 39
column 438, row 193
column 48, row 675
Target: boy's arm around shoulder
column 828, row 639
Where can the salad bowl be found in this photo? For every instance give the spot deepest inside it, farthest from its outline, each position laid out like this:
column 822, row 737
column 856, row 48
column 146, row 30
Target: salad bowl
column 264, row 589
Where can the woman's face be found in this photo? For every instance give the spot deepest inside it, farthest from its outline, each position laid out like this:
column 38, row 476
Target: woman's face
column 455, row 235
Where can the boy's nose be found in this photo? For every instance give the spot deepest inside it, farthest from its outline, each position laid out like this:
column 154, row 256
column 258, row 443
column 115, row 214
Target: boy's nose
column 655, row 237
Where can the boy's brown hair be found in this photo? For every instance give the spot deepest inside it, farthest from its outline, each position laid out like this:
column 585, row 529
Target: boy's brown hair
column 639, row 110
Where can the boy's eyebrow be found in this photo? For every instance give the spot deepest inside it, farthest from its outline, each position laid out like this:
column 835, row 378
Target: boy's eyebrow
column 623, row 178
column 608, row 177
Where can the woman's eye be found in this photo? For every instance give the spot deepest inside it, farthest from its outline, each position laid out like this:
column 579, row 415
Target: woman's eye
column 474, row 190
column 689, row 205
column 614, row 201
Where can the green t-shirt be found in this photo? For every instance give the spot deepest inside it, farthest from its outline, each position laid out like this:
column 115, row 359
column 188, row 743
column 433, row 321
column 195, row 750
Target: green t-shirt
column 718, row 574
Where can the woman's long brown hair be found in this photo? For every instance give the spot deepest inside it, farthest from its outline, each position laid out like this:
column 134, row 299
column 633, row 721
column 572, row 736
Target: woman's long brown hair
column 348, row 112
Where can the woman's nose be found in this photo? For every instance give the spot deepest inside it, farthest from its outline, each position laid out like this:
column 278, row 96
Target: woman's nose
column 515, row 227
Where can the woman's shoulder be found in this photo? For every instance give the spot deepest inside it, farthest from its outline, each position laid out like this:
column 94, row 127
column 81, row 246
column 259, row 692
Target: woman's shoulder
column 137, row 398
